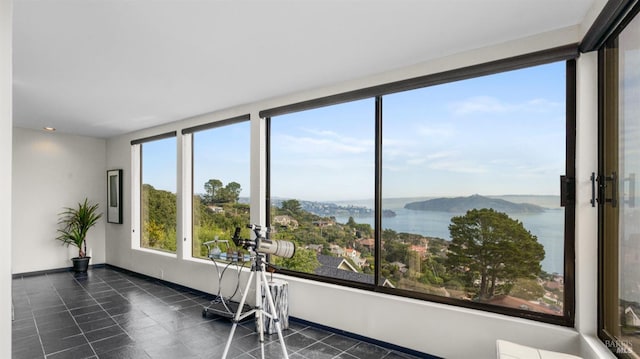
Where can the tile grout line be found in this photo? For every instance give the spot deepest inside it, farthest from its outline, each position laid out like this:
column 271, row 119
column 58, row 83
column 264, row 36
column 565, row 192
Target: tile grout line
column 72, row 317
column 83, row 332
column 120, row 292
column 35, row 322
column 108, row 314
column 124, row 298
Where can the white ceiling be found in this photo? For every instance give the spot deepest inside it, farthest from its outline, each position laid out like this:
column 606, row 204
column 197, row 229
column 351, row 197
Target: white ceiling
column 106, row 67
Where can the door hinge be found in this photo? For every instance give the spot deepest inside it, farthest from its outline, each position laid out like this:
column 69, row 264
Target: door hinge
column 567, row 191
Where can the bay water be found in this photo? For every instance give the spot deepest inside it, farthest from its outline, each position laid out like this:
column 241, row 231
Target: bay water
column 547, row 226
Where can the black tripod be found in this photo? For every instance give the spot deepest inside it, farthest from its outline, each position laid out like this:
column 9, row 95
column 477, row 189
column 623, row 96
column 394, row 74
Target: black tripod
column 258, row 266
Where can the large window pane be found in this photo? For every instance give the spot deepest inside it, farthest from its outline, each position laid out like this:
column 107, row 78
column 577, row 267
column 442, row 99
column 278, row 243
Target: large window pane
column 158, row 174
column 471, row 189
column 321, row 184
column 465, row 187
column 220, row 185
column 620, row 284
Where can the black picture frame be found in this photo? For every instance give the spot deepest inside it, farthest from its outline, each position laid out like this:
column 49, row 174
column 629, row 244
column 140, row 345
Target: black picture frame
column 114, row 196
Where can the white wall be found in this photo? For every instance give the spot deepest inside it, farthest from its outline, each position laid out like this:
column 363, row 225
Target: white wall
column 5, row 176
column 432, row 328
column 52, row 171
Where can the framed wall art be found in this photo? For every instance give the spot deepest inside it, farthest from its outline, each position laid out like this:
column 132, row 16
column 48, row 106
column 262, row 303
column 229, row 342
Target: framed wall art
column 114, row 196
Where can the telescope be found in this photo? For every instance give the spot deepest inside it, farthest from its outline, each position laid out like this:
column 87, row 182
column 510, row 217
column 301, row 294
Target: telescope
column 263, row 244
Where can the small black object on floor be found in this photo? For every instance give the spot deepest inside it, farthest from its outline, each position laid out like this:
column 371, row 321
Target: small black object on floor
column 227, row 310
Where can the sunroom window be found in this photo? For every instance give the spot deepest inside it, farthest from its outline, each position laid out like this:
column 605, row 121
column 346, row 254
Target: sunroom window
column 220, row 183
column 444, row 188
column 157, row 192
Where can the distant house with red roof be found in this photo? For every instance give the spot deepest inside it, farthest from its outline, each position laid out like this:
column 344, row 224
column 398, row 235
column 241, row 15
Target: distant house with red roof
column 422, row 250
column 368, row 243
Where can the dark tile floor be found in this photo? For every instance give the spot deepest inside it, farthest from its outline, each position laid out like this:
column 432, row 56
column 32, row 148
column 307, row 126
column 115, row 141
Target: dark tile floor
column 109, row 313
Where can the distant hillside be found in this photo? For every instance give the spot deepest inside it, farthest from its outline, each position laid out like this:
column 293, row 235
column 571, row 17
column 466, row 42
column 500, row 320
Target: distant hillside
column 463, row 204
column 393, row 203
column 546, row 201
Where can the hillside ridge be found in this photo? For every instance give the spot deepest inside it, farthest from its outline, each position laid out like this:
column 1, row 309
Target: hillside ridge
column 476, row 201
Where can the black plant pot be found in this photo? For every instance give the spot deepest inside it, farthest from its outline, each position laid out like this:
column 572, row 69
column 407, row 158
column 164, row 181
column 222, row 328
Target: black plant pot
column 80, row 265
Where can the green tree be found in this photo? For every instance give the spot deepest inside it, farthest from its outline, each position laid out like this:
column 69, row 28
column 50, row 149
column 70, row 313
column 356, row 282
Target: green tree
column 291, row 207
column 159, row 206
column 159, row 218
column 363, row 230
column 154, row 235
column 389, row 234
column 216, row 193
column 490, row 247
column 232, row 192
column 395, row 251
column 211, row 187
column 527, row 288
column 304, row 260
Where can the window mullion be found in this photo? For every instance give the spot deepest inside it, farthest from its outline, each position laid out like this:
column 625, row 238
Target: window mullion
column 378, row 191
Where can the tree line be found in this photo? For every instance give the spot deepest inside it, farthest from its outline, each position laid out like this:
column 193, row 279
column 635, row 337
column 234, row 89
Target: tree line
column 489, row 253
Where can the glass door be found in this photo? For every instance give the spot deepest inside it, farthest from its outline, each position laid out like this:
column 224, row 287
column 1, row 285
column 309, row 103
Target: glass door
column 620, row 216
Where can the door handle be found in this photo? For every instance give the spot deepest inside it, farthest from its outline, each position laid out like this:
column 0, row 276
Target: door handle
column 602, row 183
column 631, row 202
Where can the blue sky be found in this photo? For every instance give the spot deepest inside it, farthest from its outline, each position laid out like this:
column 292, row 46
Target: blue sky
column 222, row 153
column 219, row 153
column 498, row 134
column 159, row 164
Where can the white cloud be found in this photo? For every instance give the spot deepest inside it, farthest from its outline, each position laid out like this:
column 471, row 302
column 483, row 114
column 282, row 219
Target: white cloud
column 440, row 155
column 479, row 104
column 448, row 161
column 416, row 161
column 542, row 104
column 439, row 131
column 337, row 137
column 324, row 146
column 488, row 104
column 431, row 158
column 458, row 166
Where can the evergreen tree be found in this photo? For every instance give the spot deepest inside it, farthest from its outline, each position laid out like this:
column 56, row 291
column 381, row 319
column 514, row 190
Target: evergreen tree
column 216, row 193
column 291, row 207
column 490, row 247
column 211, row 187
column 231, row 192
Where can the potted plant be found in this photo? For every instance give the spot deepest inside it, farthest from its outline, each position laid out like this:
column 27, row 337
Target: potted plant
column 75, row 223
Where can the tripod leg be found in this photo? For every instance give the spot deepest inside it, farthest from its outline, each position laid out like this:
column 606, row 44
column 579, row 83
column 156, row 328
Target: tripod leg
column 236, row 319
column 259, row 310
column 259, row 314
column 274, row 314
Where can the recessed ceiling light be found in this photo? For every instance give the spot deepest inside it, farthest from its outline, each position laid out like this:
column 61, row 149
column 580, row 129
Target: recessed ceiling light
column 50, row 129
